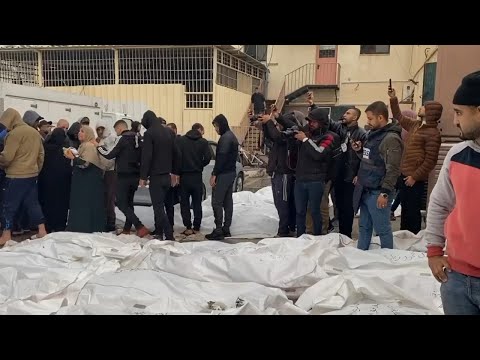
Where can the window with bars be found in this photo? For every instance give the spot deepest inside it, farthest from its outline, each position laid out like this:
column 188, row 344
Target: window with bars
column 192, row 67
column 226, row 77
column 374, row 49
column 255, row 84
column 78, row 67
column 327, row 51
column 258, row 52
column 19, row 67
column 199, row 101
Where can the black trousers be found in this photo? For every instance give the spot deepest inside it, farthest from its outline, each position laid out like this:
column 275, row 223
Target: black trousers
column 159, row 186
column 126, row 187
column 222, row 199
column 171, row 199
column 110, row 179
column 283, row 188
column 344, row 197
column 411, row 219
column 191, row 187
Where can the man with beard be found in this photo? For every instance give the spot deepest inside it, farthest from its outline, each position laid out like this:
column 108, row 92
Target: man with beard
column 452, row 209
column 419, row 158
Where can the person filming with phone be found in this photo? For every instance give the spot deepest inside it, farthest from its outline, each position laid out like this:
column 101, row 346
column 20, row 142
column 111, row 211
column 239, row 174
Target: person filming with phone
column 282, row 160
column 315, row 158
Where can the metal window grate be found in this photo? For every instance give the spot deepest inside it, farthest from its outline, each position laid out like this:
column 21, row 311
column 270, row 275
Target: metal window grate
column 226, row 77
column 78, row 67
column 255, row 84
column 19, row 67
column 192, row 67
column 199, row 101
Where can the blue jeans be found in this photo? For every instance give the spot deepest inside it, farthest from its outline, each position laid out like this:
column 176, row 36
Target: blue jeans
column 21, row 193
column 371, row 218
column 461, row 294
column 309, row 194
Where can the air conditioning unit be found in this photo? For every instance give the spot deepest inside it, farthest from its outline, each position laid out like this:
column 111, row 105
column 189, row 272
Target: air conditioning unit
column 408, row 91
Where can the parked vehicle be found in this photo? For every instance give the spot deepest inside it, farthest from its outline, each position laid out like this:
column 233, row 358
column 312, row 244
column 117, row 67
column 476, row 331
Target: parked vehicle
column 142, row 196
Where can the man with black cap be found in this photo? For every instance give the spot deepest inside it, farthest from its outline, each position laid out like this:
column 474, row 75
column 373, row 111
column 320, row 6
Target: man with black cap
column 44, row 127
column 318, row 147
column 223, row 177
column 160, row 164
column 452, row 212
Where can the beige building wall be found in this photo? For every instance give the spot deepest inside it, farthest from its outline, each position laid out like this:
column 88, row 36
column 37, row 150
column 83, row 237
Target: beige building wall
column 168, row 101
column 363, row 78
column 282, row 59
column 233, row 104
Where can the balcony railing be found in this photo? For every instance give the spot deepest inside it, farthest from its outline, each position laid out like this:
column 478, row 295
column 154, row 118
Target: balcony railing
column 312, row 74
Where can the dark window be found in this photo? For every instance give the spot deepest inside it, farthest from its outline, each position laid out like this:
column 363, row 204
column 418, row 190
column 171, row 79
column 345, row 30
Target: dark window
column 429, row 82
column 226, row 77
column 374, row 49
column 258, row 52
column 327, row 51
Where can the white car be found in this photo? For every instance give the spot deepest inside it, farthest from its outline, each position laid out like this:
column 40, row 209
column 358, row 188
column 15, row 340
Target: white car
column 142, row 196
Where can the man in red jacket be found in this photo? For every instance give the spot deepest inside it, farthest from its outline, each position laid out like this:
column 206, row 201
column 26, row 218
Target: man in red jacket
column 452, row 209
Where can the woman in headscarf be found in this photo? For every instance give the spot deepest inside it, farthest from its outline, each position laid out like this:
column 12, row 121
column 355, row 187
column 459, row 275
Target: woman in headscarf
column 54, row 182
column 87, row 207
column 72, row 134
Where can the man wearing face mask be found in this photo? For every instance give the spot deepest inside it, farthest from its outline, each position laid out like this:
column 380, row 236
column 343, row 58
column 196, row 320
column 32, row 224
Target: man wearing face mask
column 452, row 211
column 419, row 158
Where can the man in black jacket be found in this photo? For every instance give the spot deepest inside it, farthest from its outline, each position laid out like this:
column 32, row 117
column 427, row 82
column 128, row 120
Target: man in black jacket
column 127, row 168
column 195, row 156
column 316, row 157
column 160, row 163
column 223, row 177
column 349, row 131
column 281, row 168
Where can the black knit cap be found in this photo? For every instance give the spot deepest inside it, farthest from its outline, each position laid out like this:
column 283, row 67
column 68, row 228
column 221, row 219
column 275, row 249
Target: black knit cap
column 469, row 91
column 319, row 115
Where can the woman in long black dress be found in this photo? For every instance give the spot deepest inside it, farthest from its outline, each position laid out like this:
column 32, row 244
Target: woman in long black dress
column 54, row 182
column 87, row 208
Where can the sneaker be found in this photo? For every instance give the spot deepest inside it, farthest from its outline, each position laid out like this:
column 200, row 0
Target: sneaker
column 142, row 232
column 392, row 217
column 196, row 230
column 125, row 232
column 226, row 232
column 216, row 234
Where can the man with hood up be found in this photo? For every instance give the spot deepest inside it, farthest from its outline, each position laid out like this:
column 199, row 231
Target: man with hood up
column 31, row 118
column 108, row 141
column 420, row 157
column 22, row 159
column 195, row 156
column 282, row 161
column 160, row 164
column 223, row 178
column 377, row 176
column 72, row 134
